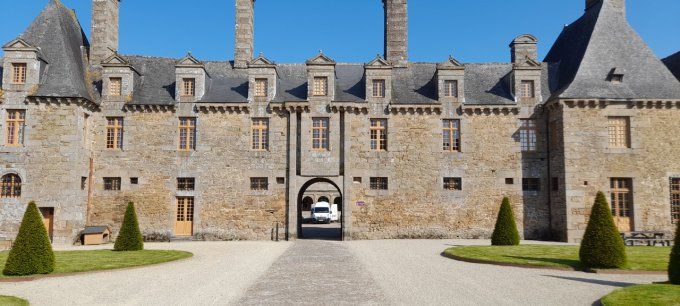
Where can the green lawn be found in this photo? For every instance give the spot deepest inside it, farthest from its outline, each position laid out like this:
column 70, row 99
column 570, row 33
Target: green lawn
column 639, row 258
column 81, row 261
column 644, row 295
column 12, row 301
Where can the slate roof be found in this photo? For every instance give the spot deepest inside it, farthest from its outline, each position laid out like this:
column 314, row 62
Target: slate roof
column 57, row 32
column 600, row 41
column 672, row 62
column 94, row 230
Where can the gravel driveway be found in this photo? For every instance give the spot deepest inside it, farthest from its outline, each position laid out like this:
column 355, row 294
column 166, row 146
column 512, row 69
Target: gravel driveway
column 385, row 272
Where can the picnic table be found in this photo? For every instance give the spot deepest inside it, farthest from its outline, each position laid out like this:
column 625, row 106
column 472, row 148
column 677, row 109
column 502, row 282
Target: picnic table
column 649, row 238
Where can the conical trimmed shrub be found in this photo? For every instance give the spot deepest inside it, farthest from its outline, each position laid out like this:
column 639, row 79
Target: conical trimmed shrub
column 674, row 264
column 129, row 238
column 32, row 250
column 602, row 245
column 505, row 232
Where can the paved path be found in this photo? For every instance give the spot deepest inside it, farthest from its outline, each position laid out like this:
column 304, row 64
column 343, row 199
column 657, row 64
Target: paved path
column 386, row 272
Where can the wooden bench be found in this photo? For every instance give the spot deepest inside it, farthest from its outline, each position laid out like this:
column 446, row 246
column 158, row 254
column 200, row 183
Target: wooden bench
column 5, row 244
column 648, row 238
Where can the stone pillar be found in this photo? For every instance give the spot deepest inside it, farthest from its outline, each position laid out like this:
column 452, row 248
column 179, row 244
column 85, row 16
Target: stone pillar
column 245, row 33
column 396, row 32
column 104, row 30
column 619, row 5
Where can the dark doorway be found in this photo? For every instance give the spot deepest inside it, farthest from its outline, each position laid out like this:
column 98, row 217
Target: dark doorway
column 307, row 227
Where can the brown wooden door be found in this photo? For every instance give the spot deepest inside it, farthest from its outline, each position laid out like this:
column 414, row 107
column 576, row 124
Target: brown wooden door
column 622, row 203
column 48, row 220
column 184, row 223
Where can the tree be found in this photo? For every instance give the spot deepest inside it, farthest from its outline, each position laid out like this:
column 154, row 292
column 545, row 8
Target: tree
column 32, row 251
column 129, row 238
column 674, row 263
column 505, row 232
column 602, row 245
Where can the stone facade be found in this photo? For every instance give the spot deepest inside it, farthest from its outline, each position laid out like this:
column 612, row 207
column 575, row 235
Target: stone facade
column 546, row 151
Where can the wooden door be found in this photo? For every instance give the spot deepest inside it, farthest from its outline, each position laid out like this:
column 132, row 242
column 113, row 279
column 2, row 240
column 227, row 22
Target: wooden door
column 48, row 220
column 184, row 223
column 622, row 203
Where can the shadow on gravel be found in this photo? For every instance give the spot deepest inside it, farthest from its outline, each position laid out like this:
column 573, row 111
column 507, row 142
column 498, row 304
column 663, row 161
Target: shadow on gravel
column 321, row 232
column 593, row 281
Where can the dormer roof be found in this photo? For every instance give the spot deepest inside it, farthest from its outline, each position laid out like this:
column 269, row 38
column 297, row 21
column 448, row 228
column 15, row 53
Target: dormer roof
column 189, row 61
column 450, row 64
column 261, row 62
column 115, row 60
column 378, row 63
column 18, row 44
column 320, row 59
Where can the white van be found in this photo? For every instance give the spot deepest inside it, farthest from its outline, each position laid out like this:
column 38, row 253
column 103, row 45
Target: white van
column 321, row 212
column 335, row 216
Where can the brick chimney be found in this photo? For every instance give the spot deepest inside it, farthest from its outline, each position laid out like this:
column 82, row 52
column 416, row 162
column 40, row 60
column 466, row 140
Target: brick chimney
column 619, row 5
column 245, row 33
column 396, row 32
column 104, row 30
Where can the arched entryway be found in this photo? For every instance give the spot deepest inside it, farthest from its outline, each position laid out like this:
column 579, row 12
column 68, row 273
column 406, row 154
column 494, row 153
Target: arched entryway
column 306, row 228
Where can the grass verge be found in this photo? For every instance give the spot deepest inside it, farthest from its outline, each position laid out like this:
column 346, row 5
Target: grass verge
column 644, row 295
column 12, row 301
column 94, row 260
column 559, row 256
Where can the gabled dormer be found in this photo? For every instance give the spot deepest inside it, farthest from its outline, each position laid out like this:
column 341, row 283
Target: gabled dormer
column 118, row 78
column 451, row 81
column 378, row 80
column 190, row 79
column 526, row 69
column 261, row 80
column 616, row 75
column 22, row 66
column 320, row 78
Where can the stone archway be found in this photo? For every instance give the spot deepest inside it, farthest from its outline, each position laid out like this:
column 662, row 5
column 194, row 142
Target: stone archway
column 320, row 233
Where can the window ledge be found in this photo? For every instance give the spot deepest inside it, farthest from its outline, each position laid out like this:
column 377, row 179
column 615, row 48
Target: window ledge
column 620, row 151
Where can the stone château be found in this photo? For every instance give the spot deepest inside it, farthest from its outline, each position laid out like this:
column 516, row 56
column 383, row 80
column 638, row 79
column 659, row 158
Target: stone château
column 224, row 150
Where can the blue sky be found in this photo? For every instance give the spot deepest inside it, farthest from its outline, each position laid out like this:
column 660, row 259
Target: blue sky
column 350, row 30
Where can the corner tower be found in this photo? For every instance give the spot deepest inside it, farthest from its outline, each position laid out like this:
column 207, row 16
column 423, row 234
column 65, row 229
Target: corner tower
column 105, row 23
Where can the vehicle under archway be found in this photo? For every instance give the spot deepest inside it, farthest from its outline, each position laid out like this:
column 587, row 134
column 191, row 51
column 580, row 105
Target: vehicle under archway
column 321, row 189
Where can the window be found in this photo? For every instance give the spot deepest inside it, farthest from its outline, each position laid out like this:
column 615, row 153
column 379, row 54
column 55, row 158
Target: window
column 10, row 186
column 260, row 130
column 451, row 135
column 622, row 196
column 320, row 133
column 186, row 183
column 453, row 183
column 134, row 181
column 357, row 179
column 531, row 184
column 16, row 120
column 320, row 86
column 86, row 129
column 280, row 180
column 555, row 184
column 111, row 183
column 379, row 134
column 619, row 132
column 187, row 134
column 261, row 87
column 19, row 73
column 378, row 183
column 509, row 181
column 675, row 199
column 188, row 88
column 527, row 89
column 527, row 135
column 83, row 183
column 617, row 78
column 378, row 88
column 185, row 209
column 259, row 183
column 114, row 133
column 451, row 88
column 115, row 87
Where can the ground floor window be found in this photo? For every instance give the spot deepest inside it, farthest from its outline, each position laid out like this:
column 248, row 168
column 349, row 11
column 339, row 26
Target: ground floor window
column 378, row 183
column 621, row 196
column 675, row 199
column 453, row 183
column 111, row 183
column 10, row 186
column 259, row 183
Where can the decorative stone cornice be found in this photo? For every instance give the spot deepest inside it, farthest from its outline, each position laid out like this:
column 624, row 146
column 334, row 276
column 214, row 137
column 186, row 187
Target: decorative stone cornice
column 142, row 108
column 349, row 107
column 414, row 108
column 82, row 102
column 490, row 109
column 222, row 108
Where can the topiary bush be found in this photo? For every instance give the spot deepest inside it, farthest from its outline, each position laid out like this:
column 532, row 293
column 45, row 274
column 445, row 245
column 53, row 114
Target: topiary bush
column 130, row 237
column 674, row 263
column 32, row 251
column 602, row 245
column 505, row 232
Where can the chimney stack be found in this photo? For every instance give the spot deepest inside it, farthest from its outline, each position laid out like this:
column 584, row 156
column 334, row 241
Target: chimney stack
column 619, row 5
column 396, row 32
column 104, row 30
column 245, row 33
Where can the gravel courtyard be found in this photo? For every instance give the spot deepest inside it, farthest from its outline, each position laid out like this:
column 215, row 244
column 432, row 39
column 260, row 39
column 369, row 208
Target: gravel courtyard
column 386, row 272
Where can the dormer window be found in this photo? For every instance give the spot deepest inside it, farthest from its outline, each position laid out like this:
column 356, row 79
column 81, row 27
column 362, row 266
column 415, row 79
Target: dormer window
column 378, row 88
column 527, row 89
column 451, row 88
column 617, row 78
column 188, row 87
column 19, row 73
column 321, row 86
column 261, row 86
column 115, row 87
